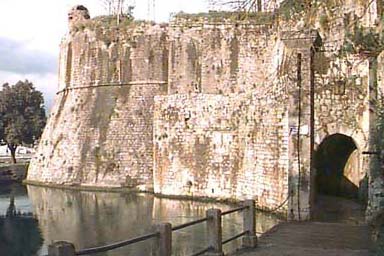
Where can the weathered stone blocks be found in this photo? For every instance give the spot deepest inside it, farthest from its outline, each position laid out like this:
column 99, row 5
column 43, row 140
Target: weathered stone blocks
column 229, row 109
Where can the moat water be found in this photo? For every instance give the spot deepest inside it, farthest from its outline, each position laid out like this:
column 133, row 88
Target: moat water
column 90, row 219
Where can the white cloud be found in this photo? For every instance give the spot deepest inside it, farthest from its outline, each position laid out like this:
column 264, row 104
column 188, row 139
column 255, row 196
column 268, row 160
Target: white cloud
column 42, row 23
column 16, row 57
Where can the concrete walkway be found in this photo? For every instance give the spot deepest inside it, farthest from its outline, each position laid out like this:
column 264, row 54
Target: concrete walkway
column 313, row 239
column 338, row 229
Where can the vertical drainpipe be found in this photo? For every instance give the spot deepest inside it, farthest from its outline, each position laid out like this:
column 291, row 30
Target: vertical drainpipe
column 259, row 6
column 299, row 80
column 312, row 173
column 301, row 96
column 301, row 112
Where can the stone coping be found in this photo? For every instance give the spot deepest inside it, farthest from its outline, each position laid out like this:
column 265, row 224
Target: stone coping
column 126, row 190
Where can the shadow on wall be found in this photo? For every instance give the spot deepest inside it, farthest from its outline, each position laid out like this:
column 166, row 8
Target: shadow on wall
column 338, row 168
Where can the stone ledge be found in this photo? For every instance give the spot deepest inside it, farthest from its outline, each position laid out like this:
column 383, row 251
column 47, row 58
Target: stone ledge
column 86, row 188
column 125, row 190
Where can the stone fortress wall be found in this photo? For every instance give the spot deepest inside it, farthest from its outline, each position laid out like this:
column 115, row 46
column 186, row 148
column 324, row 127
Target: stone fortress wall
column 209, row 107
column 215, row 135
column 100, row 130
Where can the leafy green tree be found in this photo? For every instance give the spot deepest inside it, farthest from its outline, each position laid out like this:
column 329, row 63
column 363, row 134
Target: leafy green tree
column 22, row 115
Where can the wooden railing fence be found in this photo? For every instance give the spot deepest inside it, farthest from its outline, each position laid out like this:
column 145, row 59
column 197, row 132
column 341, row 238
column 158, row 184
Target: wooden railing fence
column 163, row 234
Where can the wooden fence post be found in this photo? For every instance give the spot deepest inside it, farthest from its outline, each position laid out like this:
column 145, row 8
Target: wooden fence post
column 214, row 232
column 249, row 222
column 61, row 248
column 165, row 240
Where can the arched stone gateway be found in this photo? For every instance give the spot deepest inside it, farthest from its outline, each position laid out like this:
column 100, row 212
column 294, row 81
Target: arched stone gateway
column 338, row 169
column 340, row 181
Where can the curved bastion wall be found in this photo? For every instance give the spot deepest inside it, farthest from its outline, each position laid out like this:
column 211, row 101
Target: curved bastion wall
column 99, row 131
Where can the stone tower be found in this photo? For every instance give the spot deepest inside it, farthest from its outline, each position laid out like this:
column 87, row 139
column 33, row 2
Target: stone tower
column 99, row 131
column 77, row 14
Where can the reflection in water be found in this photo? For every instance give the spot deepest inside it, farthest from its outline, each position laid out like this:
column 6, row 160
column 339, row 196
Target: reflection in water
column 19, row 231
column 91, row 219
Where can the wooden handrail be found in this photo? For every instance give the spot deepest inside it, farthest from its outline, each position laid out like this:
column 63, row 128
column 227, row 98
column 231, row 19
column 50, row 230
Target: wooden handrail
column 116, row 245
column 191, row 223
column 164, row 235
column 233, row 210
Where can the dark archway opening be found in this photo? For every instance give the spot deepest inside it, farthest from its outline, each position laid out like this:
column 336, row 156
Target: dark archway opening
column 338, row 179
column 330, row 163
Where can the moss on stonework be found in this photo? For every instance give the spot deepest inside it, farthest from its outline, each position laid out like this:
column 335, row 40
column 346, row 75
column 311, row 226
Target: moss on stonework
column 58, row 140
column 289, row 8
column 107, row 23
column 235, row 52
column 322, row 11
column 216, row 16
column 324, row 22
column 322, row 63
column 364, row 40
column 111, row 21
column 100, row 117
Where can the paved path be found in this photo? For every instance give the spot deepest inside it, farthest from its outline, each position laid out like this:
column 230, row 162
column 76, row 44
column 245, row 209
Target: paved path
column 338, row 229
column 313, row 239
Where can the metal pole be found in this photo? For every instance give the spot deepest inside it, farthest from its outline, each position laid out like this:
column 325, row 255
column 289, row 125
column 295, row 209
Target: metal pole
column 259, row 7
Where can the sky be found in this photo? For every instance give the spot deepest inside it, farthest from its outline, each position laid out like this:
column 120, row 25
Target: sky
column 31, row 30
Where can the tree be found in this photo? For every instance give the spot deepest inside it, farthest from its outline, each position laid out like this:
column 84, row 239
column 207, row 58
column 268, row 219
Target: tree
column 22, row 115
column 118, row 7
column 239, row 5
column 257, row 5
